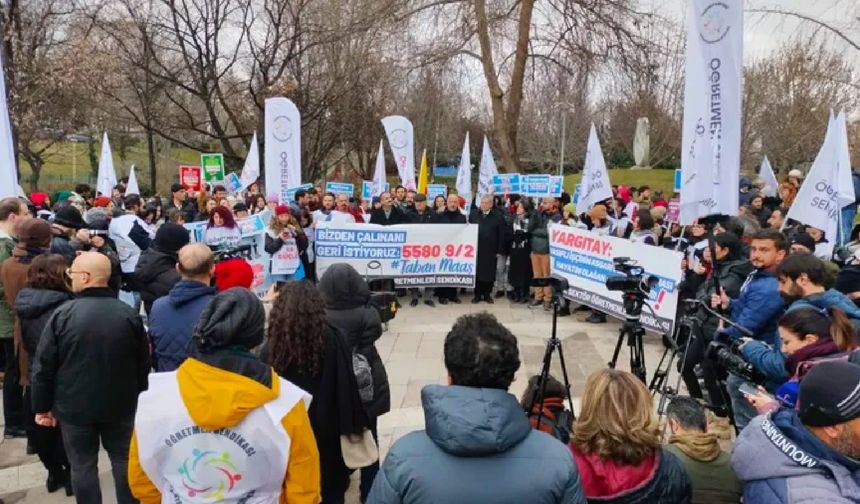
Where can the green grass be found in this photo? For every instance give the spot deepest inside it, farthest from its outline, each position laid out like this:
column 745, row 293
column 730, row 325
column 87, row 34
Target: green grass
column 655, row 179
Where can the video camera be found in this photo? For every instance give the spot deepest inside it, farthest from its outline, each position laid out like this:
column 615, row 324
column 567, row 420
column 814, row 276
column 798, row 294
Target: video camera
column 726, row 352
column 240, row 252
column 634, row 281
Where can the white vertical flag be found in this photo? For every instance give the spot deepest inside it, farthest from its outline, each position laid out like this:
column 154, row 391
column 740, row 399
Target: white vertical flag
column 132, row 187
column 8, row 163
column 283, row 147
column 595, row 179
column 464, row 174
column 379, row 172
column 107, row 174
column 711, row 134
column 486, row 170
column 828, row 186
column 771, row 185
column 251, row 170
column 401, row 138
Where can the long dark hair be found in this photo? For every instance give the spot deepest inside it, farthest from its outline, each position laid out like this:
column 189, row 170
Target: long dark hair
column 226, row 216
column 297, row 328
column 826, row 324
column 48, row 271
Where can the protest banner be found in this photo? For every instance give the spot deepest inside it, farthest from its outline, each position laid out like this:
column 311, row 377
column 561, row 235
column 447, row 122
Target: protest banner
column 290, row 194
column 413, row 255
column 251, row 169
column 232, row 183
column 712, row 122
column 595, row 178
column 340, row 188
column 771, row 184
column 444, row 171
column 577, row 190
column 213, row 167
column 678, row 181
column 286, row 260
column 378, row 175
column 464, row 173
column 8, row 163
column 535, row 186
column 191, row 178
column 368, row 189
column 486, row 170
column 434, row 190
column 506, row 183
column 401, row 138
column 253, row 230
column 585, row 260
column 673, row 211
column 282, row 146
column 132, row 187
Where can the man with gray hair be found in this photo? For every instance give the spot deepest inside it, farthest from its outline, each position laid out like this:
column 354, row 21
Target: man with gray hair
column 708, row 466
column 491, row 241
column 174, row 316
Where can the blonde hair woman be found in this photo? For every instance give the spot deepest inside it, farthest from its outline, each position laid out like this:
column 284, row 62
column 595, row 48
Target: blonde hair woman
column 616, row 445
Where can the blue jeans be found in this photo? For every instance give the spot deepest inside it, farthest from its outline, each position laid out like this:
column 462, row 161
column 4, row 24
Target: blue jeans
column 368, row 474
column 743, row 410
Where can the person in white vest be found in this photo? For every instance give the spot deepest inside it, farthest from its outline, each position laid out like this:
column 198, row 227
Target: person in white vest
column 132, row 236
column 224, row 427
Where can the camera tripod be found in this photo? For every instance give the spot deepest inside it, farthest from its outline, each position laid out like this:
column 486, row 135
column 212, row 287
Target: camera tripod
column 632, row 331
column 552, row 345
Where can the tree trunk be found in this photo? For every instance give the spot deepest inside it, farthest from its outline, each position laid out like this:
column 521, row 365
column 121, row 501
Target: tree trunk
column 35, row 161
column 150, row 147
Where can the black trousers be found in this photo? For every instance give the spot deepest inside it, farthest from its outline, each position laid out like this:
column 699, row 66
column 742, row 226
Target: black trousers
column 696, row 355
column 445, row 292
column 82, row 448
column 483, row 289
column 47, row 441
column 13, row 394
column 368, row 474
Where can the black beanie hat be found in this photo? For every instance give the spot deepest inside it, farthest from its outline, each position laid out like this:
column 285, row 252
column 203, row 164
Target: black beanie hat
column 830, row 394
column 69, row 216
column 234, row 317
column 171, row 237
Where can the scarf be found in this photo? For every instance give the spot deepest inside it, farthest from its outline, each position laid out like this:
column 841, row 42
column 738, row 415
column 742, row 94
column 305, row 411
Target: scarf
column 701, row 446
column 25, row 255
column 820, row 348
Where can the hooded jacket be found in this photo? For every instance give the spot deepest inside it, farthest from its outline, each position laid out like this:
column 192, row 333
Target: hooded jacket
column 831, row 298
column 346, row 296
column 781, row 462
column 217, row 399
column 708, row 467
column 172, row 320
column 155, row 274
column 758, row 307
column 34, row 307
column 478, row 446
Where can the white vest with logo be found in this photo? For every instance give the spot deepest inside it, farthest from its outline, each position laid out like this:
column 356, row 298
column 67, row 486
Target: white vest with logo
column 243, row 464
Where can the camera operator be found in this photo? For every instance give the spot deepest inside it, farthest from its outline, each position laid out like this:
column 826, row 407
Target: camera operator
column 731, row 269
column 801, row 284
column 757, row 309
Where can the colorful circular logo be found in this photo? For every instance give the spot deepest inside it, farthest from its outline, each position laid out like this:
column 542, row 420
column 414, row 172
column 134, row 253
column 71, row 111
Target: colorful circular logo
column 209, row 475
column 282, row 128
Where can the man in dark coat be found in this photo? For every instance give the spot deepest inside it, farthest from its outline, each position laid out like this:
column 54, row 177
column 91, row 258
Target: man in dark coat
column 389, row 214
column 346, row 296
column 451, row 215
column 179, row 201
column 174, row 316
column 91, row 363
column 156, row 269
column 491, row 241
column 420, row 214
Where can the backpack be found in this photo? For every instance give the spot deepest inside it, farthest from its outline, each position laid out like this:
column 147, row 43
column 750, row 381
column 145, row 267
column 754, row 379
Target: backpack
column 363, row 376
column 557, row 421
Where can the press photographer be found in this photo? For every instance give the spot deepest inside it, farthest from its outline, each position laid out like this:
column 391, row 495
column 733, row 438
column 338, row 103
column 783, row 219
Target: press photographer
column 757, row 309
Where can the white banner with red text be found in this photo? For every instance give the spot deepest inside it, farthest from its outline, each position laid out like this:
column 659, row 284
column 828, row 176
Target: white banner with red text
column 585, row 259
column 413, row 255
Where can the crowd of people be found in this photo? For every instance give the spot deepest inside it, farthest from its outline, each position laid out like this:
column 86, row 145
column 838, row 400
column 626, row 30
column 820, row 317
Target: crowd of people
column 119, row 329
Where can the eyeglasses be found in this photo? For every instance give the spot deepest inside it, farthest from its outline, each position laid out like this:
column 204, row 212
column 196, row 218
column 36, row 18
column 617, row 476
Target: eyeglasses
column 70, row 272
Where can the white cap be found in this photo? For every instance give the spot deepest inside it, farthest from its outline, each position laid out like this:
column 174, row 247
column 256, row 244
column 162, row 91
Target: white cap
column 795, row 173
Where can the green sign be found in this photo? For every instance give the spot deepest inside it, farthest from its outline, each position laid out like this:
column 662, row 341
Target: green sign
column 213, row 167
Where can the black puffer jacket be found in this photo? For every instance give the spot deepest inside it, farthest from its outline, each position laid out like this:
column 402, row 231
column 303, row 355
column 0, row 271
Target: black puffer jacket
column 34, row 307
column 346, row 295
column 155, row 274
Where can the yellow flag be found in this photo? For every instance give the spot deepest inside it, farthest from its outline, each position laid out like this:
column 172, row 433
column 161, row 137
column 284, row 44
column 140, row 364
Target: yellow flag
column 422, row 174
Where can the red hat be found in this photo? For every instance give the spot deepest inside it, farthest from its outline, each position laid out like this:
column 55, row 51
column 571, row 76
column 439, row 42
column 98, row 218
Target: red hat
column 38, row 198
column 233, row 273
column 282, row 209
column 101, row 202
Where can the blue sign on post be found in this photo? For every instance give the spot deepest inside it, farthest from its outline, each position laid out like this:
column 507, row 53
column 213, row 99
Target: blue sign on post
column 340, row 188
column 679, row 181
column 445, row 171
column 434, row 190
column 577, row 189
column 557, row 186
column 536, row 186
column 290, row 194
column 506, row 183
column 367, row 189
column 232, row 183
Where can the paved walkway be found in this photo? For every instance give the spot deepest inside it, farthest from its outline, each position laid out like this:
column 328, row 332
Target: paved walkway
column 412, row 350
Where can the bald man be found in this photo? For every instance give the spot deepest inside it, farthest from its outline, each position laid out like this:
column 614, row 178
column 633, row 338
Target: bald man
column 173, row 317
column 91, row 363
